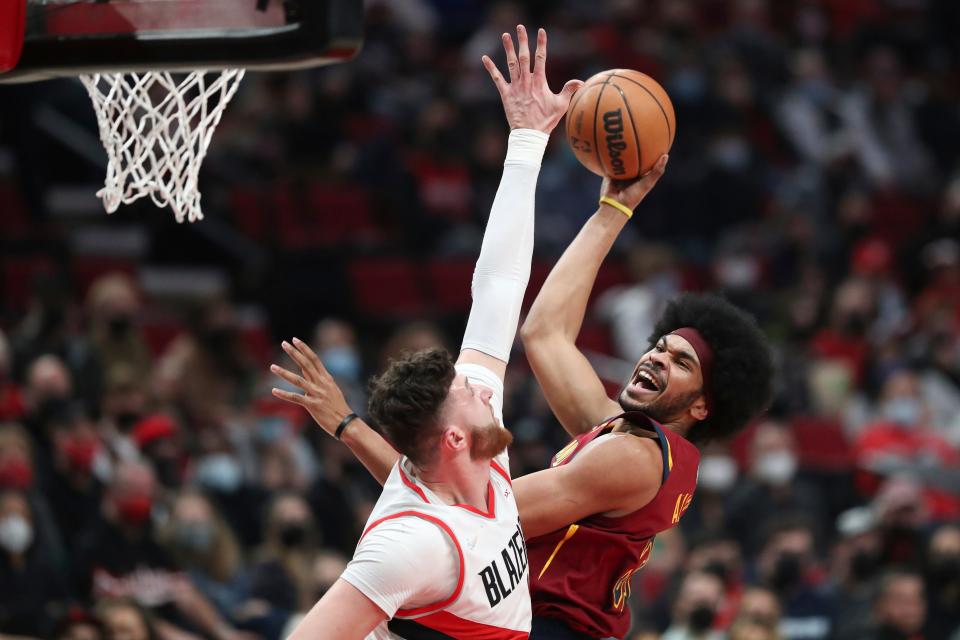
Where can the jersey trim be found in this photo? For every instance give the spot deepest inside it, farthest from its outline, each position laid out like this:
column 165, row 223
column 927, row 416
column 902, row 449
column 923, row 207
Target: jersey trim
column 444, row 625
column 496, row 467
column 491, row 512
column 443, row 525
column 570, row 531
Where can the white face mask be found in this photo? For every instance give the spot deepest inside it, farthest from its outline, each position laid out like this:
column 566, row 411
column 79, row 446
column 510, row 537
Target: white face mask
column 717, row 472
column 777, row 468
column 16, row 534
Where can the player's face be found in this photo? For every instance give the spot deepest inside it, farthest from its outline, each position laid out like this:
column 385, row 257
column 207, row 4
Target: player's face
column 666, row 380
column 473, row 409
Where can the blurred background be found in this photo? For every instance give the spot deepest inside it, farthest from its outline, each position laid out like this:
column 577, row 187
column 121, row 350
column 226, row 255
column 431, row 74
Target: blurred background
column 151, row 488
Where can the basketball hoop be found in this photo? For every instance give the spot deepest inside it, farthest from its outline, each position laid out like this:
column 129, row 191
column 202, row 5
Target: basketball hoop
column 139, row 60
column 156, row 130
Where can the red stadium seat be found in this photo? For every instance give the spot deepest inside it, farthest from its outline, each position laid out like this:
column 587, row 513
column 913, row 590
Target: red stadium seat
column 18, row 274
column 388, row 287
column 821, row 444
column 448, row 283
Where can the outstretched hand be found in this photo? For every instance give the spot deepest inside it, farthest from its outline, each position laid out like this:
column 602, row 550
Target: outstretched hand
column 321, row 396
column 527, row 99
column 631, row 192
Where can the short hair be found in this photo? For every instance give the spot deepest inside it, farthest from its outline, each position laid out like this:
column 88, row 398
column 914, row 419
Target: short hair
column 407, row 400
column 741, row 384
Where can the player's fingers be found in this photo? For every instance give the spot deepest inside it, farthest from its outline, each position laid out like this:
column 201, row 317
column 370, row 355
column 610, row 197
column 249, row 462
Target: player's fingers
column 311, row 355
column 540, row 57
column 298, row 357
column 289, row 376
column 523, row 49
column 570, row 88
column 513, row 67
column 498, row 80
column 294, row 398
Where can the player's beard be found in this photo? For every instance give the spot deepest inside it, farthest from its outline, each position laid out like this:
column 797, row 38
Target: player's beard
column 489, row 440
column 660, row 409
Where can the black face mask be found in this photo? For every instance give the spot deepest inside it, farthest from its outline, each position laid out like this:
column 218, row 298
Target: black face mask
column 54, row 409
column 119, row 327
column 293, row 535
column 786, row 572
column 126, row 419
column 863, row 565
column 943, row 572
column 701, row 618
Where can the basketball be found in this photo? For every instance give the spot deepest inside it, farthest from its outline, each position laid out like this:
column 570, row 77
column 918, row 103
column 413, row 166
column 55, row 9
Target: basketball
column 619, row 123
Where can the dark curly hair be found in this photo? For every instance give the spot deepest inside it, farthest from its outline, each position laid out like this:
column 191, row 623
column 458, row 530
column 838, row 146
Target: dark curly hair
column 742, row 372
column 405, row 402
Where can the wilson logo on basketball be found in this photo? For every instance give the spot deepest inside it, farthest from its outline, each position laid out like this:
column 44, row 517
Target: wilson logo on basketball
column 613, row 125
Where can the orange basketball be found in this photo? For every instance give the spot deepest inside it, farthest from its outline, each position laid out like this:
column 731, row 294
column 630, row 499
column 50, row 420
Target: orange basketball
column 619, row 123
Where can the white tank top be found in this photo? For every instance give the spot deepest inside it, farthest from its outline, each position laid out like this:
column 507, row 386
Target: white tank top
column 492, row 598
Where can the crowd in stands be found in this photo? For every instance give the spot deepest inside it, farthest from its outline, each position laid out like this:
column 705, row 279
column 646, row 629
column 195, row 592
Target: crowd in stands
column 151, row 487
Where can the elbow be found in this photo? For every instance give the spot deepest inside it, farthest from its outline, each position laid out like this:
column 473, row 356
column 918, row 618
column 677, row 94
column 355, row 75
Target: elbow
column 533, row 330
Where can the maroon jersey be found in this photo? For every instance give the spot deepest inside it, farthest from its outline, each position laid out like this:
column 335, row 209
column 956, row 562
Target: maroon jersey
column 581, row 574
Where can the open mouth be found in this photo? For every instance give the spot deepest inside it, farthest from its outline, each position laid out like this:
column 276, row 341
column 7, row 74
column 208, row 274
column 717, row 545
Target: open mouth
column 647, row 380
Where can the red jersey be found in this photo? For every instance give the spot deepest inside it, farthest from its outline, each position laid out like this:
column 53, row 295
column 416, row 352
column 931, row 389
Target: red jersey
column 581, row 574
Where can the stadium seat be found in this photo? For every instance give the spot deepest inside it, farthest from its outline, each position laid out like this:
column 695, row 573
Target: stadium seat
column 386, row 287
column 448, row 283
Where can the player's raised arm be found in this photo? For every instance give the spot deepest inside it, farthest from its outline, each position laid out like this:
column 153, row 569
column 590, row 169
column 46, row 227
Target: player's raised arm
column 571, row 386
column 503, row 268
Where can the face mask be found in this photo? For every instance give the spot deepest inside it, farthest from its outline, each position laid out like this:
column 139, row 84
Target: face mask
column 126, row 419
column 701, row 618
column 220, row 472
column 80, row 454
column 52, row 410
column 194, row 536
column 293, row 535
column 16, row 473
column 119, row 327
column 863, row 565
column 16, row 534
column 786, row 572
column 903, row 411
column 134, row 510
column 776, row 468
column 732, row 154
column 341, row 362
column 717, row 473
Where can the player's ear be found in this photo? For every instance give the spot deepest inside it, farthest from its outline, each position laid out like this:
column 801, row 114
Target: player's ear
column 454, row 438
column 698, row 410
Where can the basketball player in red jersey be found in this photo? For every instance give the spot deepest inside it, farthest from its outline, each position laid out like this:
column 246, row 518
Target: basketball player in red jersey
column 631, row 470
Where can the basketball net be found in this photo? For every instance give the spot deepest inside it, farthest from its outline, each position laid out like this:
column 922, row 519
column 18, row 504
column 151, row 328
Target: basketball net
column 156, row 130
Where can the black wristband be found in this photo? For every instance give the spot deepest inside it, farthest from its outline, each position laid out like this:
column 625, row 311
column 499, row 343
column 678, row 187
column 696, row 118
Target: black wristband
column 343, row 424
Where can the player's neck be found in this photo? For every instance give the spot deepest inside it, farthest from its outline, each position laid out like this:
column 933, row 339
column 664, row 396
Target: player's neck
column 459, row 481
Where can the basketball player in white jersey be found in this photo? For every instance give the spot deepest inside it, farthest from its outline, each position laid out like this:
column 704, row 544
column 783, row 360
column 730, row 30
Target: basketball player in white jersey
column 442, row 555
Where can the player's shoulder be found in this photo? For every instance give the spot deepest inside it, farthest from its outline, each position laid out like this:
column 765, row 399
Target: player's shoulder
column 408, row 534
column 617, row 457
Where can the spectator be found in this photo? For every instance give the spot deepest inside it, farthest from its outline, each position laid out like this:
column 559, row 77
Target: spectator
column 855, row 563
column 202, row 544
column 159, row 440
column 113, row 314
column 78, row 624
column 335, row 341
column 771, row 486
column 124, row 619
column 282, row 574
column 787, row 565
column 119, row 557
column 899, row 609
column 902, row 441
column 758, row 615
column 695, row 608
column 942, row 578
column 30, row 585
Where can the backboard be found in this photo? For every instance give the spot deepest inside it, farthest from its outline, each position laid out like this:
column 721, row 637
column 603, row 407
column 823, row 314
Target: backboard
column 73, row 37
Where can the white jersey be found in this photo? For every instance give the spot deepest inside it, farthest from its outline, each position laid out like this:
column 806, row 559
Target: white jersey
column 452, row 570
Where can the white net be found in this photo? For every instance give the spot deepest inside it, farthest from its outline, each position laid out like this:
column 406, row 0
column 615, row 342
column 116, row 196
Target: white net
column 156, row 129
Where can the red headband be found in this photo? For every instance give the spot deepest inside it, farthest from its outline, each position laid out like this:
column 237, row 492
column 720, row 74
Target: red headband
column 704, row 354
